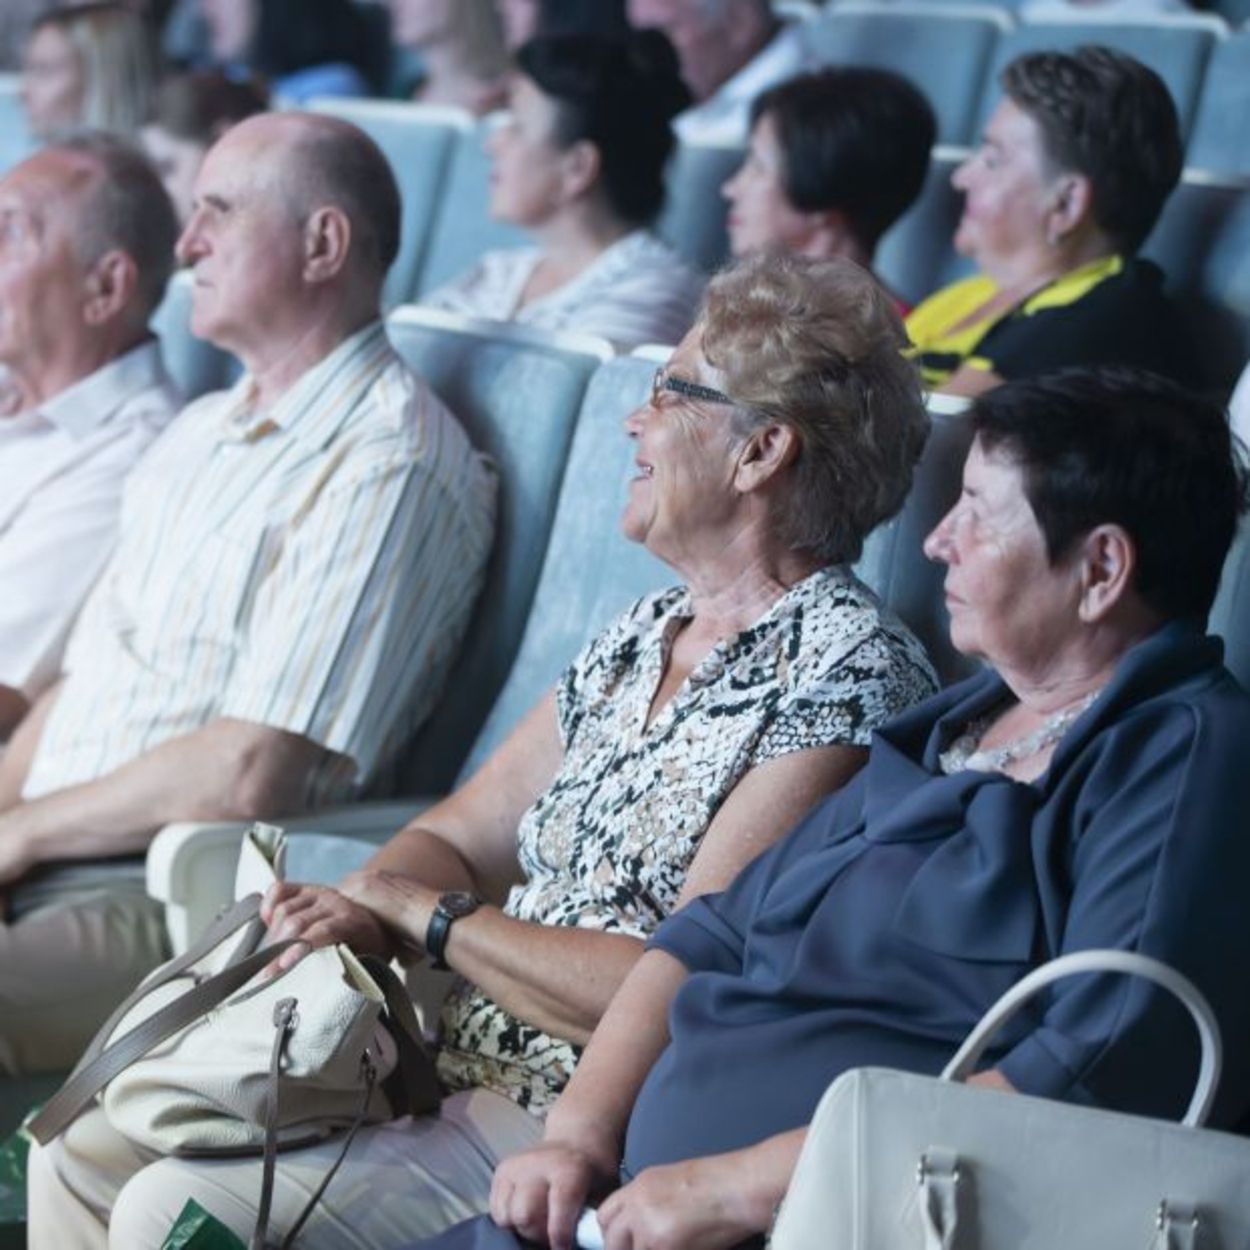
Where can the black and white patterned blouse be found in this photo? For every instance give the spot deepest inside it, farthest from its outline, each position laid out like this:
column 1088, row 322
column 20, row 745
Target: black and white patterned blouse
column 607, row 846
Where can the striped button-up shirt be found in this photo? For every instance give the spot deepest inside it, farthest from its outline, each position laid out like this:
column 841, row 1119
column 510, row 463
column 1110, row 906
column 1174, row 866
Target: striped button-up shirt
column 310, row 567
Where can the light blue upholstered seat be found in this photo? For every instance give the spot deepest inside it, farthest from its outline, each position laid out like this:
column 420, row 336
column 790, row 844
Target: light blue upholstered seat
column 1219, row 144
column 462, row 228
column 15, row 143
column 944, row 54
column 894, row 563
column 1176, row 49
column 518, row 393
column 917, row 255
column 418, row 140
column 692, row 222
column 1202, row 241
column 591, row 571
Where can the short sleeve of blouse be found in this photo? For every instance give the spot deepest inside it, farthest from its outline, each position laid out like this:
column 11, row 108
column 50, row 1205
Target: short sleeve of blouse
column 606, row 657
column 882, row 675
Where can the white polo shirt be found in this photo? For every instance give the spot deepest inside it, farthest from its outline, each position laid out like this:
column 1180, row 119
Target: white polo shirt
column 63, row 467
column 725, row 116
column 310, row 567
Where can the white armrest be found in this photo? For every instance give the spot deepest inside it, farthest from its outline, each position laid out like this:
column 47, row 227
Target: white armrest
column 191, row 866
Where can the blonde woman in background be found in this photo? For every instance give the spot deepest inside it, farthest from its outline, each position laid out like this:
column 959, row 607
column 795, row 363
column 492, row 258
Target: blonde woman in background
column 88, row 65
column 461, row 46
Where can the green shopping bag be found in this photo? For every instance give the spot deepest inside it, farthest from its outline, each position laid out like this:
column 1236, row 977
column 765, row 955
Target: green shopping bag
column 195, row 1229
column 13, row 1154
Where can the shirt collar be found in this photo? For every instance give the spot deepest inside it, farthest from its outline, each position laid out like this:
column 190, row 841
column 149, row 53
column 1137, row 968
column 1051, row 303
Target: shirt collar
column 312, row 407
column 81, row 409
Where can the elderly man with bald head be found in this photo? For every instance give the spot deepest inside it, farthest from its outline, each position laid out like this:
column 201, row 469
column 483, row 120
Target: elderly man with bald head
column 86, row 245
column 296, row 562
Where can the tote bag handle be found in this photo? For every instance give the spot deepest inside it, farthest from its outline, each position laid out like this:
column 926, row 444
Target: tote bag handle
column 968, row 1055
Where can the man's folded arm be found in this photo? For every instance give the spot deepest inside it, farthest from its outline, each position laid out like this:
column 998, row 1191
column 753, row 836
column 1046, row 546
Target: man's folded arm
column 228, row 770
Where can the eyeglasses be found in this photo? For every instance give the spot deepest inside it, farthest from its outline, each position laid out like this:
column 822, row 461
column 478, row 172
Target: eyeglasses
column 665, row 381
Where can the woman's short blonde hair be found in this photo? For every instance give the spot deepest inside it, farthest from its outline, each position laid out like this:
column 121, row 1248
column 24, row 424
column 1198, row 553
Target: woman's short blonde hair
column 816, row 345
column 117, row 53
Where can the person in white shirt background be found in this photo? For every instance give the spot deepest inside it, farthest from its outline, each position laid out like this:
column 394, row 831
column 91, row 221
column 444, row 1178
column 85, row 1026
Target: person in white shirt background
column 86, row 247
column 730, row 51
column 579, row 165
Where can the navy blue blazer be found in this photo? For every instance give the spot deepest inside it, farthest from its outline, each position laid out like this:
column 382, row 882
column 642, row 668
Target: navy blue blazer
column 881, row 929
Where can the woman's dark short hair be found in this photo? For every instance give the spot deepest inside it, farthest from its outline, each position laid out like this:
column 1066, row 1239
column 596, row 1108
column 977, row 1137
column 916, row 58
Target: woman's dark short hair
column 199, row 106
column 292, row 35
column 855, row 140
column 1124, row 447
column 619, row 93
column 1107, row 116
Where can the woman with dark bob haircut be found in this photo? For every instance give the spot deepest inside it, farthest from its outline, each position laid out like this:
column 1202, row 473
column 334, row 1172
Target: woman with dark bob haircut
column 580, row 165
column 836, row 158
column 1074, row 167
column 1088, row 789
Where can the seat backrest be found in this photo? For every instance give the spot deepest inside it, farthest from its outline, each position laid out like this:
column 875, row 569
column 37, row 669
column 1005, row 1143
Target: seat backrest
column 1230, row 616
column 463, row 228
column 1203, row 243
column 591, row 572
column 15, row 143
column 418, row 140
column 917, row 256
column 1176, row 51
column 944, row 54
column 195, row 365
column 517, row 392
column 894, row 563
column 1218, row 144
column 693, row 220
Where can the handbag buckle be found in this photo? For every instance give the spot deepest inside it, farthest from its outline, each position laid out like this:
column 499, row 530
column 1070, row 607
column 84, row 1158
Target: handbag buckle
column 937, row 1167
column 1170, row 1216
column 285, row 1016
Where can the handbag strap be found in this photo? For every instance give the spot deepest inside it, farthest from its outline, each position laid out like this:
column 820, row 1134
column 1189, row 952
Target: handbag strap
column 422, row 1093
column 244, row 913
column 69, row 1102
column 968, row 1055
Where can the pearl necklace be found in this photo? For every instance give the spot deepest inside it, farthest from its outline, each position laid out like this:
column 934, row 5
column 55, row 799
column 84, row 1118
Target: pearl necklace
column 964, row 752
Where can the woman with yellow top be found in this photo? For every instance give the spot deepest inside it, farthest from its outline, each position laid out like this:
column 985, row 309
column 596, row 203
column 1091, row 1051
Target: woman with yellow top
column 1074, row 166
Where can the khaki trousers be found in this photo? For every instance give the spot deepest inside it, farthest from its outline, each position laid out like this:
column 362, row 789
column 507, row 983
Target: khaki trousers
column 401, row 1182
column 82, row 939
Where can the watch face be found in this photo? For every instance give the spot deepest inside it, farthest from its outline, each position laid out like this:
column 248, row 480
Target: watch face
column 457, row 903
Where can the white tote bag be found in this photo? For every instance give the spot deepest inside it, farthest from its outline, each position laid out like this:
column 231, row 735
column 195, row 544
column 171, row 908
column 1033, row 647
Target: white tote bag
column 895, row 1161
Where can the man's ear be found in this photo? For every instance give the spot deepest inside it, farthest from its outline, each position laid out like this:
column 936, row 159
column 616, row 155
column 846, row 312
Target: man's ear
column 327, row 242
column 1108, row 558
column 110, row 287
column 764, row 453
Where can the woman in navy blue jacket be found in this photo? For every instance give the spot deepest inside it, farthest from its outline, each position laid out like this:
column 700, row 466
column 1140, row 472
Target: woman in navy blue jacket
column 1088, row 790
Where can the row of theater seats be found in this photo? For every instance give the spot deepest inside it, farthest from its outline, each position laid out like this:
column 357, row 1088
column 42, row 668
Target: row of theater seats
column 550, row 411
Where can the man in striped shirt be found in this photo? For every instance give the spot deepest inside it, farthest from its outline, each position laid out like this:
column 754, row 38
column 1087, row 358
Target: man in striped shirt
column 297, row 561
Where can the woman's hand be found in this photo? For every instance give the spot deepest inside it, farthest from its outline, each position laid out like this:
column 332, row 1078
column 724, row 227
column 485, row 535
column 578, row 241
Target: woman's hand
column 700, row 1204
column 317, row 916
column 540, row 1193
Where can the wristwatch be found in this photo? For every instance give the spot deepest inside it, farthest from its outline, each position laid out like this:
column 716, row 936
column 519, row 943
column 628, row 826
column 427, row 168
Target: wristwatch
column 452, row 906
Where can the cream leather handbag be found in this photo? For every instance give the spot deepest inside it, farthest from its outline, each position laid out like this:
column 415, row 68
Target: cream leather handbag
column 895, row 1161
column 206, row 1058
